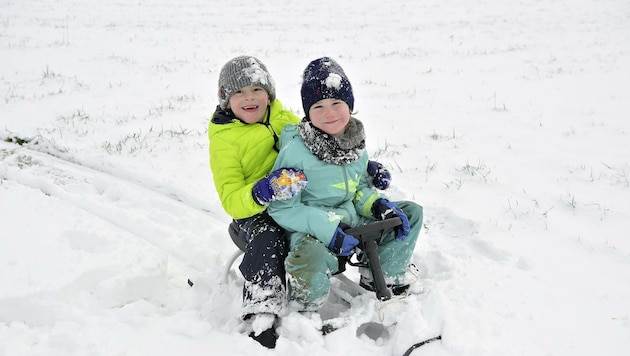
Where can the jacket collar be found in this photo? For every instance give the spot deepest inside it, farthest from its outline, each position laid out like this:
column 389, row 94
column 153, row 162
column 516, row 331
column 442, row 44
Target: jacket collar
column 221, row 116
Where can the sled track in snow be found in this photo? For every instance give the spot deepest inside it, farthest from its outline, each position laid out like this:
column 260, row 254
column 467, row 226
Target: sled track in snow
column 131, row 179
column 167, row 214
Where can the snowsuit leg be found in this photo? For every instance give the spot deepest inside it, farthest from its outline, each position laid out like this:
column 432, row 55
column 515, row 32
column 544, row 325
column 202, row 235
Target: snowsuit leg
column 309, row 266
column 262, row 267
column 396, row 255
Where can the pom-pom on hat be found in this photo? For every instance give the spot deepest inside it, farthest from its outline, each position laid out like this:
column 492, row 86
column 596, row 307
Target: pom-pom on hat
column 241, row 72
column 325, row 79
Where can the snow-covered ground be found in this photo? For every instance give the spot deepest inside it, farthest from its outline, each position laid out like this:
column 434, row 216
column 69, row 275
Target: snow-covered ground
column 508, row 121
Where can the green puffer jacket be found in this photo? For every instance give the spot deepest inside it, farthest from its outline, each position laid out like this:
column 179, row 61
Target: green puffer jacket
column 241, row 154
column 334, row 192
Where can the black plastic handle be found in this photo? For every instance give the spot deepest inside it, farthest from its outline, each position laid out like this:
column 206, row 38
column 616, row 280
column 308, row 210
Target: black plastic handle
column 375, row 229
column 370, row 236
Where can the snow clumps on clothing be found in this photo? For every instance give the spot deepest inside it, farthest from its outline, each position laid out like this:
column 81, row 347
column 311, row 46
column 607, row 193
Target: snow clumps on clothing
column 324, row 78
column 242, row 72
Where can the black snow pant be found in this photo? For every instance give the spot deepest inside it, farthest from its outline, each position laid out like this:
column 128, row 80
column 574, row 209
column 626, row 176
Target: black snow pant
column 264, row 290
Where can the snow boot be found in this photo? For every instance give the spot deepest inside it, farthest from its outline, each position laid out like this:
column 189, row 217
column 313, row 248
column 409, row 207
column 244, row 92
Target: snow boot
column 266, row 338
column 264, row 329
column 397, row 289
column 412, row 277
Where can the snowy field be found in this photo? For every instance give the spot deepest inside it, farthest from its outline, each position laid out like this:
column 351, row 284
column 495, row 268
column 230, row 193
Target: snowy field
column 508, row 121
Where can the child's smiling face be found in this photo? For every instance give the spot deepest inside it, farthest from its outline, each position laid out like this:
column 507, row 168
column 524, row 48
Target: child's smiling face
column 249, row 103
column 330, row 116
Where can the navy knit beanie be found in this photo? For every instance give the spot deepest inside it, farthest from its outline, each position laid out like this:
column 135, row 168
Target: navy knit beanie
column 241, row 72
column 325, row 79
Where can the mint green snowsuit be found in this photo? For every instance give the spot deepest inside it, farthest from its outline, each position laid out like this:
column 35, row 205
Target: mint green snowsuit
column 335, row 192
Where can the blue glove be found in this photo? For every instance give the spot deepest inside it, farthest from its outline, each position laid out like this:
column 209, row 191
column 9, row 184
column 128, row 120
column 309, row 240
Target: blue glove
column 342, row 244
column 281, row 184
column 381, row 178
column 384, row 209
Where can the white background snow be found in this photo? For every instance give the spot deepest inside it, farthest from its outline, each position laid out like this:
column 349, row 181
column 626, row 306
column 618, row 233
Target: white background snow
column 507, row 120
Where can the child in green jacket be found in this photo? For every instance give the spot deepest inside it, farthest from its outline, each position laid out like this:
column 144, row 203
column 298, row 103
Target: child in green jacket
column 328, row 145
column 243, row 136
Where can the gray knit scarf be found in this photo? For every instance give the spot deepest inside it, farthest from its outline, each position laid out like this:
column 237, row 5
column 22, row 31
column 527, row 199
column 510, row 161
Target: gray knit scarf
column 345, row 149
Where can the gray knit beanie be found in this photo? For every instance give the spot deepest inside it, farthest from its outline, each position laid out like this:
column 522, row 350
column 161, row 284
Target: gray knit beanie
column 241, row 72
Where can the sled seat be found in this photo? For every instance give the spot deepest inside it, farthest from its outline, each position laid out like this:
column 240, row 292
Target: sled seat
column 242, row 246
column 238, row 241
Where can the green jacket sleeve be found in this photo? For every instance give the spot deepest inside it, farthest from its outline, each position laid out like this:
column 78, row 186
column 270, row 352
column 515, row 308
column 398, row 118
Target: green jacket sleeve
column 235, row 191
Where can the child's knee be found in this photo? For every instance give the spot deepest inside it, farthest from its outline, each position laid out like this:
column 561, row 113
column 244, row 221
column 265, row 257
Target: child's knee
column 414, row 211
column 309, row 289
column 310, row 266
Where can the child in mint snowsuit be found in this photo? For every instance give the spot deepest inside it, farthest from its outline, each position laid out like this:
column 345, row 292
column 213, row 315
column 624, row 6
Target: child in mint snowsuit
column 328, row 145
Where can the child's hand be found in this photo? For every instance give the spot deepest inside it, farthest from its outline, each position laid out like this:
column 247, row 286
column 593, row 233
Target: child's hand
column 281, row 184
column 342, row 244
column 384, row 209
column 381, row 178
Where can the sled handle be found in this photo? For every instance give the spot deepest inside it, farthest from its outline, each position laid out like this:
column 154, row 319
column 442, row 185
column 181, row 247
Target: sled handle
column 374, row 230
column 370, row 236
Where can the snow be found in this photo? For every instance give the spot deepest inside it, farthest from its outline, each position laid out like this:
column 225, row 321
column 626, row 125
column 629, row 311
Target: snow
column 256, row 74
column 507, row 121
column 333, row 81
